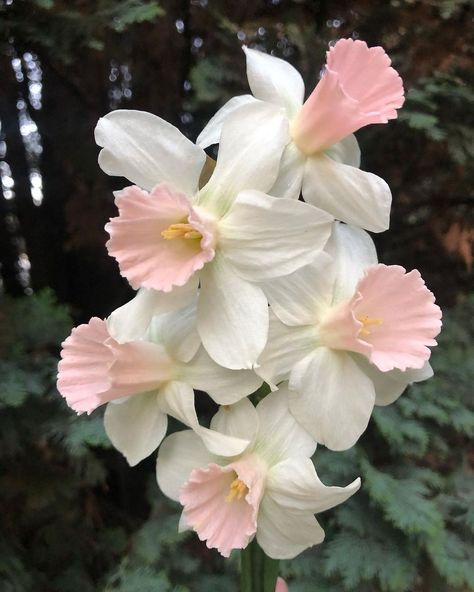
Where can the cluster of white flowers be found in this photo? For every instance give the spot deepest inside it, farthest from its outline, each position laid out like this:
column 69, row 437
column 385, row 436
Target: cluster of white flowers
column 240, row 281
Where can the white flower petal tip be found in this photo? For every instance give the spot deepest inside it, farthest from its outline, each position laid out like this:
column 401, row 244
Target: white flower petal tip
column 158, row 239
column 331, row 397
column 136, row 427
column 391, row 319
column 349, row 194
column 95, row 369
column 390, row 385
column 352, row 251
column 265, row 237
column 147, row 150
column 224, row 386
column 273, row 80
column 237, row 420
column 253, row 161
column 354, row 486
column 359, row 87
column 211, row 134
column 178, row 401
column 232, row 316
column 280, row 435
column 131, row 321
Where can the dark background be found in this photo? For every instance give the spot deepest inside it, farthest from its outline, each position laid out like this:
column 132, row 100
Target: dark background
column 75, row 517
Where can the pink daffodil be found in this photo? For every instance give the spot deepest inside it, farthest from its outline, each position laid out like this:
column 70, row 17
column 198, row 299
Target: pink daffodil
column 144, row 380
column 281, row 585
column 348, row 333
column 270, row 491
column 358, row 87
column 228, row 236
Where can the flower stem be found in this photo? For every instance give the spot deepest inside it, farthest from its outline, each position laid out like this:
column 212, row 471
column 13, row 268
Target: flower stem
column 258, row 572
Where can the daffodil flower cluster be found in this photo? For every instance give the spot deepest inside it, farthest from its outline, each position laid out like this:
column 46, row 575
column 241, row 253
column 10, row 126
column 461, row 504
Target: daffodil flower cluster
column 261, row 272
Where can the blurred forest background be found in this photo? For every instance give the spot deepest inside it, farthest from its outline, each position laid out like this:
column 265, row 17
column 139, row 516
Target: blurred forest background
column 74, row 516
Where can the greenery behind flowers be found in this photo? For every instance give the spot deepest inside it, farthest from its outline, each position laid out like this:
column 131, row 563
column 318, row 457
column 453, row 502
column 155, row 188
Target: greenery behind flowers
column 74, row 516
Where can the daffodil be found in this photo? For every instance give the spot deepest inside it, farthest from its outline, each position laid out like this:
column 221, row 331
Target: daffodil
column 229, row 235
column 144, row 380
column 348, row 333
column 269, row 491
column 358, row 87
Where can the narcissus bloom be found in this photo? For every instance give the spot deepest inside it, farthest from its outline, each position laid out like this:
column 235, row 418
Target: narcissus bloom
column 146, row 379
column 270, row 491
column 281, row 585
column 228, row 235
column 348, row 333
column 321, row 159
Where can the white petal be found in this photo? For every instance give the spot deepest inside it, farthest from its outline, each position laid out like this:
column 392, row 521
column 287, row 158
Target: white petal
column 300, row 298
column 136, row 426
column 179, row 454
column 290, row 174
column 266, row 237
column 232, row 316
column 274, row 80
column 283, row 534
column 239, row 420
column 177, row 331
column 177, row 399
column 293, row 492
column 331, row 397
column 294, row 484
column 223, row 385
column 279, row 435
column 346, row 151
column 349, row 194
column 353, row 251
column 390, row 385
column 183, row 526
column 211, row 134
column 252, row 142
column 131, row 321
column 286, row 346
column 148, row 150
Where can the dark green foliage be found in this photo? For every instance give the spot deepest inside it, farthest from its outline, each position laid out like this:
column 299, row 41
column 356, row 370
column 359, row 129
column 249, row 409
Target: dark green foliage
column 62, row 27
column 50, row 532
column 426, row 109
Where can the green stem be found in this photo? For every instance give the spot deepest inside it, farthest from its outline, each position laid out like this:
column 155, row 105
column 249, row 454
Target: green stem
column 258, row 572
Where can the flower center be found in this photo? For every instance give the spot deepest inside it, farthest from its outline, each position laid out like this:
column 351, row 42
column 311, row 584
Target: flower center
column 367, row 322
column 180, row 230
column 237, row 490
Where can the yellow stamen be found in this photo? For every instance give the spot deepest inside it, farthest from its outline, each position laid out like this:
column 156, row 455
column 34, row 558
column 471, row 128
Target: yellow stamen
column 237, row 490
column 366, row 322
column 180, row 230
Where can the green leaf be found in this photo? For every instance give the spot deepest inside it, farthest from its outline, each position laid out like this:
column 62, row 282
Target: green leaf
column 140, row 579
column 402, row 434
column 86, row 431
column 404, row 502
column 453, row 557
column 46, row 4
column 13, row 386
column 361, row 559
